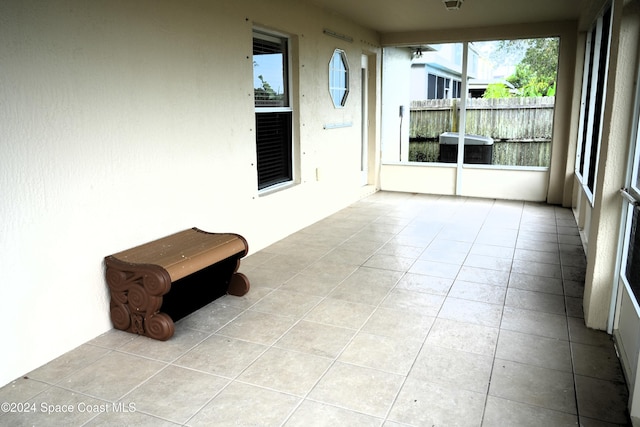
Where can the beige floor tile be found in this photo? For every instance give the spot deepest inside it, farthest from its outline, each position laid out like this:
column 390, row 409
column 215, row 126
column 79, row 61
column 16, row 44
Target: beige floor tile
column 450, row 246
column 340, row 313
column 315, row 414
column 580, row 333
column 492, row 250
column 478, row 292
column 348, row 257
column 448, row 257
column 390, row 322
column 534, row 350
column 471, row 312
column 110, row 419
column 416, row 302
column 311, row 285
column 488, row 262
column 536, row 283
column 364, row 390
column 425, row 283
column 328, row 269
column 389, row 262
column 546, row 388
column 423, row 403
column 362, row 293
column 503, row 412
column 287, row 371
column 316, row 338
column 244, row 405
column 68, row 363
column 365, row 276
column 538, row 301
column 537, row 256
column 482, row 275
column 21, row 390
column 112, row 339
column 463, row 336
column 222, row 356
column 535, row 323
column 166, row 351
column 453, row 368
column 210, row 318
column 536, row 269
column 389, row 354
column 597, row 362
column 286, row 303
column 436, row 269
column 602, row 400
column 261, row 328
column 55, row 407
column 404, row 251
column 175, row 393
column 112, row 376
column 245, row 301
column 537, row 245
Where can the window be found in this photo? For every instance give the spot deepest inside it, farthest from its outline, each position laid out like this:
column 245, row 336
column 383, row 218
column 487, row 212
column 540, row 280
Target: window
column 510, row 125
column 273, row 109
column 338, row 78
column 442, row 88
column 592, row 105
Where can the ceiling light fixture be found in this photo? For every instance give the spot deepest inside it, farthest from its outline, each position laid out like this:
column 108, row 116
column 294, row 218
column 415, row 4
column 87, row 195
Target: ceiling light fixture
column 452, row 4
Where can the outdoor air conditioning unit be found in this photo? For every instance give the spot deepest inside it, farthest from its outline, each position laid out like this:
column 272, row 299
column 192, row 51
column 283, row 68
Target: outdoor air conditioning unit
column 452, row 4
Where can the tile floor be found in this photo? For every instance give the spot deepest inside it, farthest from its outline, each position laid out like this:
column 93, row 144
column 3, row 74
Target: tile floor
column 398, row 310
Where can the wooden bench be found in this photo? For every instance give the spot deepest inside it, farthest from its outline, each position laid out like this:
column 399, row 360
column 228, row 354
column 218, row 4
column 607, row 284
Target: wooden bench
column 155, row 284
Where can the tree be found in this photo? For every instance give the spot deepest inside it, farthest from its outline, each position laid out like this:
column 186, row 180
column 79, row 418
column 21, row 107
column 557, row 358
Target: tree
column 536, row 73
column 496, row 90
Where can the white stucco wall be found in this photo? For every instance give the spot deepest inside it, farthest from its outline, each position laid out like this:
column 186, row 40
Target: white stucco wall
column 124, row 121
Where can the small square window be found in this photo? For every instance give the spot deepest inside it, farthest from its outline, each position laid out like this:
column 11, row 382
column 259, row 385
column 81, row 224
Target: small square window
column 339, row 78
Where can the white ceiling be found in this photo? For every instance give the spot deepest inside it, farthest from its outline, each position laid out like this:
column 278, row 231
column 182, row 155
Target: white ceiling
column 392, row 16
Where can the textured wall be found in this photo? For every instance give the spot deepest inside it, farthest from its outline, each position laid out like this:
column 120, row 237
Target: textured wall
column 124, row 121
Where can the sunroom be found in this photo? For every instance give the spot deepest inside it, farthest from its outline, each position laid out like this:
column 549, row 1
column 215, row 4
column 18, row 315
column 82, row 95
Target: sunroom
column 383, row 287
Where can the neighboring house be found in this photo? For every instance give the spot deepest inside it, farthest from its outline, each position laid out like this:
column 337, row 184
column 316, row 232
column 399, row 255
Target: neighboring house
column 436, row 71
column 124, row 121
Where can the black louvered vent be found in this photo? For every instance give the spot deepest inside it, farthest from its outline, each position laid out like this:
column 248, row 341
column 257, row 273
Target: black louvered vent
column 273, row 136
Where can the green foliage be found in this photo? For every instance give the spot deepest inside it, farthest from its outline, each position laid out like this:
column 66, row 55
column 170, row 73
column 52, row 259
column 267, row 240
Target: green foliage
column 536, row 73
column 266, row 92
column 497, row 90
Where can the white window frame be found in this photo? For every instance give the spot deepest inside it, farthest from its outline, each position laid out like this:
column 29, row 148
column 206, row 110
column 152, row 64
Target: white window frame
column 335, row 86
column 587, row 112
column 287, row 108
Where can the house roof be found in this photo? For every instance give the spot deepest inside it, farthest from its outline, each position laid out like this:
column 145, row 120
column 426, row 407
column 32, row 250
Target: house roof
column 386, row 16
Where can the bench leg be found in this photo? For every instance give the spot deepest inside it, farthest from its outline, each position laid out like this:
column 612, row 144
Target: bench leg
column 238, row 285
column 136, row 297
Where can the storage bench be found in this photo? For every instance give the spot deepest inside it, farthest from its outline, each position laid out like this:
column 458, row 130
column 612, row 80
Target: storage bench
column 157, row 283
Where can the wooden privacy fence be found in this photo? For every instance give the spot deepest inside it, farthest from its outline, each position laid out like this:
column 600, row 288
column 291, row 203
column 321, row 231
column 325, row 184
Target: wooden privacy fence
column 520, row 127
column 520, row 119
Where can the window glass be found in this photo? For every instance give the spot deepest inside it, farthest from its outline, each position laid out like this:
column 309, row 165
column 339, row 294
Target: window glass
column 270, row 71
column 510, row 103
column 338, row 78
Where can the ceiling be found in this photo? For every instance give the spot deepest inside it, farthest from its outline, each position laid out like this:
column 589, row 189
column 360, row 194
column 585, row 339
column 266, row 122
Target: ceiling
column 396, row 16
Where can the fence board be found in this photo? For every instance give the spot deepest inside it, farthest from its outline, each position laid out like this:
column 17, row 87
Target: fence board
column 523, row 119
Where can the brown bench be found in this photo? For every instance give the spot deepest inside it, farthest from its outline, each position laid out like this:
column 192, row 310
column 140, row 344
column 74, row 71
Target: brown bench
column 155, row 284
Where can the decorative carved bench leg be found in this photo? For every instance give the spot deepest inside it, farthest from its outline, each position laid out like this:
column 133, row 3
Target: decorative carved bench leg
column 136, row 297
